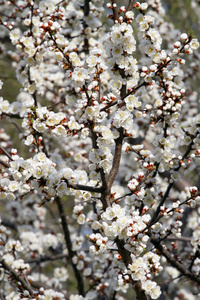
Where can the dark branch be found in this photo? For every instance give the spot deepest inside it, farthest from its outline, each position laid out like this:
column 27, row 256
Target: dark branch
column 68, row 242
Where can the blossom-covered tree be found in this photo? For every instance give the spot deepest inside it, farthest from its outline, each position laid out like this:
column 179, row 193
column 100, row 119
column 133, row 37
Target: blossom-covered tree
column 105, row 204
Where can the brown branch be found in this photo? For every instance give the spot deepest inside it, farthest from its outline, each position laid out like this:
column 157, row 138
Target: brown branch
column 38, row 285
column 76, row 186
column 125, row 254
column 6, row 153
column 115, row 10
column 17, row 277
column 107, row 183
column 175, row 263
column 130, row 5
column 105, row 197
column 94, row 137
column 179, row 239
column 68, row 242
column 116, row 159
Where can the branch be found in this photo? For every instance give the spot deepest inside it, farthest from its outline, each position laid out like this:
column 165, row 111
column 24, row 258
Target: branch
column 94, row 137
column 179, row 239
column 193, row 260
column 144, row 83
column 130, row 5
column 68, row 242
column 6, row 153
column 46, row 258
column 125, row 95
column 76, row 186
column 115, row 10
column 3, row 163
column 44, row 146
column 13, row 116
column 157, row 212
column 116, row 159
column 125, row 254
column 178, row 185
column 86, row 11
column 9, row 224
column 86, row 7
column 174, row 262
column 13, row 2
column 105, row 197
column 16, row 276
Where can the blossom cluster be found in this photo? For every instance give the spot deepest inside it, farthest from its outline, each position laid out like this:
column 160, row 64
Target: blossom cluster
column 106, row 199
